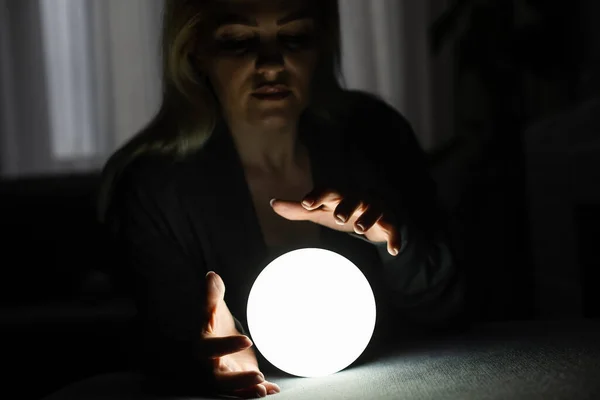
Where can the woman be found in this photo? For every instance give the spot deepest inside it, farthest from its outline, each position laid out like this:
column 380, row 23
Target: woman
column 255, row 152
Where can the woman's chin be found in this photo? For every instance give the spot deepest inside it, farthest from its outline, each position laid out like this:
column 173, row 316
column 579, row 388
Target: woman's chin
column 276, row 121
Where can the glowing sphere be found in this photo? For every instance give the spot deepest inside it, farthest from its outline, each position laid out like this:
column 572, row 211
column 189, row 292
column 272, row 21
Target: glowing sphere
column 311, row 312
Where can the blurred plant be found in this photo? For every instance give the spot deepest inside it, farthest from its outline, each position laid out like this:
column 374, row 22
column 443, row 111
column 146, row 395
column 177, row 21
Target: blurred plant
column 506, row 42
column 515, row 61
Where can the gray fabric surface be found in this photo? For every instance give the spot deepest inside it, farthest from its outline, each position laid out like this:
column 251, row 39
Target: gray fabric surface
column 506, row 361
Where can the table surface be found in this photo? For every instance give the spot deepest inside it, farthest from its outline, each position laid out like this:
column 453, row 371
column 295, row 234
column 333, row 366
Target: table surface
column 519, row 360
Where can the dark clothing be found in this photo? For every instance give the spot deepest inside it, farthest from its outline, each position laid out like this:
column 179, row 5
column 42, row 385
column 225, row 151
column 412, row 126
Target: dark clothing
column 174, row 221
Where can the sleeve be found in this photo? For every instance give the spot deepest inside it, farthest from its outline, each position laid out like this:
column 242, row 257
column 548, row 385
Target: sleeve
column 423, row 281
column 168, row 286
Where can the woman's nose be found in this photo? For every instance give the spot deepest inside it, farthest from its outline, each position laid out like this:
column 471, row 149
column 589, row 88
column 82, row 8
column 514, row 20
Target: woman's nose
column 270, row 59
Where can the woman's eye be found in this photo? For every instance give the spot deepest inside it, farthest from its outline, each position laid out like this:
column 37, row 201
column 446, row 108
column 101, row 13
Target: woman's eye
column 236, row 45
column 296, row 42
column 242, row 45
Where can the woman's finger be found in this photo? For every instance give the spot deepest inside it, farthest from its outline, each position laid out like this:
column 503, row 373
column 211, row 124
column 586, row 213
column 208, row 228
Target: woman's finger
column 309, row 199
column 213, row 347
column 237, row 381
column 215, row 293
column 367, row 220
column 271, row 387
column 346, row 209
column 215, row 290
column 292, row 210
column 211, row 321
column 316, row 199
column 252, row 392
column 394, row 241
column 262, row 390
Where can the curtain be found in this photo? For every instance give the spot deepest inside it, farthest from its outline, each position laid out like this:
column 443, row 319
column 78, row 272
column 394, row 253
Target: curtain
column 79, row 77
column 385, row 52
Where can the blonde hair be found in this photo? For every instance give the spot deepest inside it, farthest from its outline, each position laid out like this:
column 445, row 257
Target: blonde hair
column 189, row 110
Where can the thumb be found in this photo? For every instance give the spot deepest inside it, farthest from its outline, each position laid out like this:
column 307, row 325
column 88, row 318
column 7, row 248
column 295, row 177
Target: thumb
column 215, row 293
column 215, row 289
column 291, row 210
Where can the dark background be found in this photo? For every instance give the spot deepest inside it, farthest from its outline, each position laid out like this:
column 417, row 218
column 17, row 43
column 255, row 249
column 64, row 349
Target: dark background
column 520, row 181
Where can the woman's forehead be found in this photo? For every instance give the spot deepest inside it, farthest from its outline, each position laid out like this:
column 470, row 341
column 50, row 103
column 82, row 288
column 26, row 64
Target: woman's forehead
column 261, row 7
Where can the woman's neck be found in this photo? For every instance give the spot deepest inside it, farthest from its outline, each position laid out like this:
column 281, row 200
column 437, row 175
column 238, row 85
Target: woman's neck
column 275, row 152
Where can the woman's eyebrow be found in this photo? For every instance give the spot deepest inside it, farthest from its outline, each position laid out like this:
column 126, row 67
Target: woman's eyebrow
column 233, row 18
column 303, row 13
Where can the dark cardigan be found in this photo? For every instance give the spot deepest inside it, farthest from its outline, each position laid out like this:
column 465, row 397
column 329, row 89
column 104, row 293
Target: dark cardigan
column 173, row 221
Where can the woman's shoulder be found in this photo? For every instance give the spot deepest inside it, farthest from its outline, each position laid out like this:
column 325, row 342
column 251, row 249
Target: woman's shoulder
column 150, row 159
column 149, row 177
column 361, row 114
column 149, row 171
column 362, row 110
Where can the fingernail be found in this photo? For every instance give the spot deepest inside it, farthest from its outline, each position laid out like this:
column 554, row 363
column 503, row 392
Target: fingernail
column 272, row 201
column 360, row 227
column 214, row 281
column 271, row 392
column 394, row 251
column 341, row 218
column 308, row 203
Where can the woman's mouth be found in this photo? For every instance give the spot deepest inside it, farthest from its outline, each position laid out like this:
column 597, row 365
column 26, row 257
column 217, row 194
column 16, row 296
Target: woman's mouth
column 272, row 92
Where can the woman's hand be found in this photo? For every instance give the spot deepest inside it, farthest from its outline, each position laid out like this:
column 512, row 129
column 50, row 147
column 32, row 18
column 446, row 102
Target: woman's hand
column 345, row 213
column 234, row 364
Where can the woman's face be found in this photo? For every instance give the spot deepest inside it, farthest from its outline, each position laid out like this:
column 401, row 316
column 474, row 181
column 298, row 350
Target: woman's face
column 261, row 58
